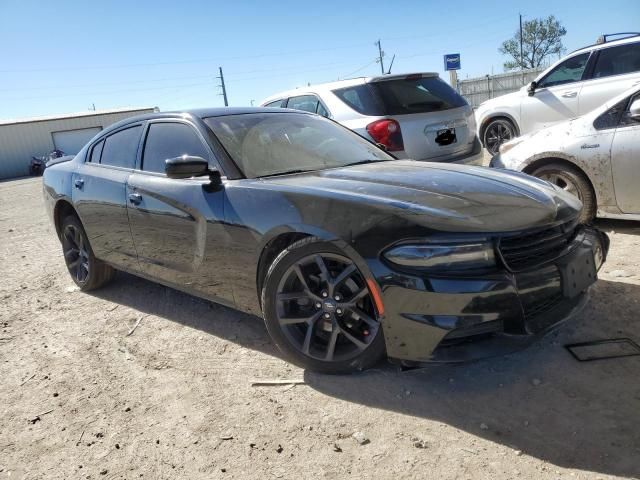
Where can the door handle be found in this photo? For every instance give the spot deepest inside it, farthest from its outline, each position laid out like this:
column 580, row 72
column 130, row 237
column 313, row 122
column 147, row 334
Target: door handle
column 135, row 198
column 569, row 94
column 79, row 183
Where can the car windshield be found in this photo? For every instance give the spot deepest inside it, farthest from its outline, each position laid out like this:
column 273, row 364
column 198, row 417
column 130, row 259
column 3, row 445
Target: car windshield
column 266, row 144
column 401, row 96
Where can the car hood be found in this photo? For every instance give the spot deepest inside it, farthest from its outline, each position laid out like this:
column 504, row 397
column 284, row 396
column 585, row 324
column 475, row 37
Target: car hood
column 445, row 197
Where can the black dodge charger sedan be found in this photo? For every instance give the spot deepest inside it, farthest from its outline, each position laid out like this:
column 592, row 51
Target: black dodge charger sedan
column 347, row 253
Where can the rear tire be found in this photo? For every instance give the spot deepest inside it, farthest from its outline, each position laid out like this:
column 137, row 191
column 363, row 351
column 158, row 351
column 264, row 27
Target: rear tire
column 497, row 132
column 573, row 181
column 85, row 269
column 318, row 309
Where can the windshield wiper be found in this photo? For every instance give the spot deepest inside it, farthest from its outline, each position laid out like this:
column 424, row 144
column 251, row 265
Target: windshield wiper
column 286, row 172
column 362, row 162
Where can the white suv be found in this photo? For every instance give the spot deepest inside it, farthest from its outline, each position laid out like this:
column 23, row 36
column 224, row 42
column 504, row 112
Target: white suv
column 415, row 116
column 573, row 86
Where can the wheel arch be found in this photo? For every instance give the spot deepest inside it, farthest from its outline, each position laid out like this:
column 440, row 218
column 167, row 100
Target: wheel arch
column 62, row 209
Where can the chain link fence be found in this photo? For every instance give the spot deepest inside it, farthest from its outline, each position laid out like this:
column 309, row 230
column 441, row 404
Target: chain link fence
column 479, row 89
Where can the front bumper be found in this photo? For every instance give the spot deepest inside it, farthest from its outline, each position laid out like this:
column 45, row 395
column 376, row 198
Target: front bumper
column 452, row 319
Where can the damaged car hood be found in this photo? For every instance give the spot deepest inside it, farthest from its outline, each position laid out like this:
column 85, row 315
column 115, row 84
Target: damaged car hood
column 446, row 197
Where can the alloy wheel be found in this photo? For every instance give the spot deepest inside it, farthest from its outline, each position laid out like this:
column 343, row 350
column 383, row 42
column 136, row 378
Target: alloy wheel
column 563, row 181
column 324, row 308
column 76, row 254
column 498, row 132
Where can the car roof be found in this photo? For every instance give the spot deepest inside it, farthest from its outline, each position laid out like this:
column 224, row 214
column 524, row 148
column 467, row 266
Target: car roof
column 329, row 86
column 198, row 113
column 632, row 38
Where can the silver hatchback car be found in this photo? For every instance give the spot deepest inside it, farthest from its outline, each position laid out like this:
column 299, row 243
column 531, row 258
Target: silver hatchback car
column 416, row 116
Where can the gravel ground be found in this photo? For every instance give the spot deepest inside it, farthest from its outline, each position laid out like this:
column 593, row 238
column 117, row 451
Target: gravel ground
column 82, row 399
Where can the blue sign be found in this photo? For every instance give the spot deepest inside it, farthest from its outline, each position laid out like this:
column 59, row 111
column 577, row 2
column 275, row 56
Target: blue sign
column 452, row 61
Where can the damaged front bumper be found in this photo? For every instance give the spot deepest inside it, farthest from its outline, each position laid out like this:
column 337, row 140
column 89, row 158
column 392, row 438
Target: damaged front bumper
column 454, row 319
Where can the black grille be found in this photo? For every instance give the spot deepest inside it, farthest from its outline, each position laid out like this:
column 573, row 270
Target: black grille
column 537, row 247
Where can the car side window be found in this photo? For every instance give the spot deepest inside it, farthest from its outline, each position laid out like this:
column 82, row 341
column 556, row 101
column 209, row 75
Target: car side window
column 276, row 104
column 626, row 119
column 611, row 117
column 306, row 103
column 169, row 140
column 120, row 149
column 569, row 71
column 618, row 60
column 96, row 152
column 321, row 110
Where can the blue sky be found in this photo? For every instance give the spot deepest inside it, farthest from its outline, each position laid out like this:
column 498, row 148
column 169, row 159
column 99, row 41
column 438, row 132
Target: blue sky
column 63, row 56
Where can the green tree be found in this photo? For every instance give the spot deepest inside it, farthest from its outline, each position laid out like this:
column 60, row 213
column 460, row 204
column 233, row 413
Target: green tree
column 541, row 38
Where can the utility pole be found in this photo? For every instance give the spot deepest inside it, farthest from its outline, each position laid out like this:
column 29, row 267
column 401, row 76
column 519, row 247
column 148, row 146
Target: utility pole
column 380, row 55
column 224, row 89
column 392, row 59
column 521, row 53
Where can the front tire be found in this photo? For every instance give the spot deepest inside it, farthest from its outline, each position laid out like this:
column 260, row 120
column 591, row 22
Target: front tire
column 497, row 132
column 85, row 269
column 318, row 309
column 572, row 181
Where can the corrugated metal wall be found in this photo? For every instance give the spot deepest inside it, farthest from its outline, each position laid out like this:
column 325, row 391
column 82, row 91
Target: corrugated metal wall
column 20, row 141
column 477, row 90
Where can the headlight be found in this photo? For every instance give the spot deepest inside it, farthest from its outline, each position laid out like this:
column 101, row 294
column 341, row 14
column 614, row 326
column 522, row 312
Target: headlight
column 467, row 256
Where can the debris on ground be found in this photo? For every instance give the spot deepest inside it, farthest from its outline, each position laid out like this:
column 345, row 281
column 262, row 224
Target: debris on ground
column 226, row 436
column 484, row 426
column 536, row 382
column 136, row 325
column 275, row 382
column 336, row 448
column 419, row 443
column 619, row 273
column 361, row 438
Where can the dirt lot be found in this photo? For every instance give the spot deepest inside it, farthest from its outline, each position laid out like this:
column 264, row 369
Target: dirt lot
column 81, row 399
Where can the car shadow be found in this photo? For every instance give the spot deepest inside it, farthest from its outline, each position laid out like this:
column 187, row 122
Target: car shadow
column 629, row 227
column 541, row 401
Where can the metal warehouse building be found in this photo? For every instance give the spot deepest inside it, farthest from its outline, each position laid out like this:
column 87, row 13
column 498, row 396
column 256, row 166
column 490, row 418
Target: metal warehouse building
column 24, row 138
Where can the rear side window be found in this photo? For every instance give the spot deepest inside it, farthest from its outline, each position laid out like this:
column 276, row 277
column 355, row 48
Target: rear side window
column 121, row 148
column 170, row 140
column 569, row 71
column 618, row 60
column 276, row 104
column 401, row 96
column 308, row 103
column 96, row 152
column 361, row 98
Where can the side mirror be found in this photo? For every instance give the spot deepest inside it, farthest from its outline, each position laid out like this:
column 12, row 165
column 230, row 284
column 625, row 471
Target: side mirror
column 532, row 88
column 634, row 110
column 188, row 166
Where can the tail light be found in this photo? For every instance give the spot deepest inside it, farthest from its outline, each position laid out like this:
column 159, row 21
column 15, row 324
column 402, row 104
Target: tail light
column 387, row 132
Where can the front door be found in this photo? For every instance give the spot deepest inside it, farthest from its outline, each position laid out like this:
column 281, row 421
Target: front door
column 556, row 96
column 99, row 194
column 177, row 225
column 625, row 162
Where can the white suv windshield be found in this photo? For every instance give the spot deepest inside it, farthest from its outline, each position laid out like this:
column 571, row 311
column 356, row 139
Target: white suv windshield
column 264, row 144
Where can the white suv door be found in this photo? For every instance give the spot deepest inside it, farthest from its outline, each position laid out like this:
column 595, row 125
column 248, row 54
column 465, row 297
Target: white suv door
column 556, row 96
column 616, row 69
column 625, row 161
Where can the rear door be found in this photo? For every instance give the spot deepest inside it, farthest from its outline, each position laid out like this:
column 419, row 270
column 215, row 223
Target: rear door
column 99, row 194
column 625, row 162
column 615, row 70
column 556, row 96
column 177, row 224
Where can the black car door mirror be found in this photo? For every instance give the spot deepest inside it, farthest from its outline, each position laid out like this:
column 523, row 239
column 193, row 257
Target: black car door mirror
column 188, row 166
column 532, row 88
